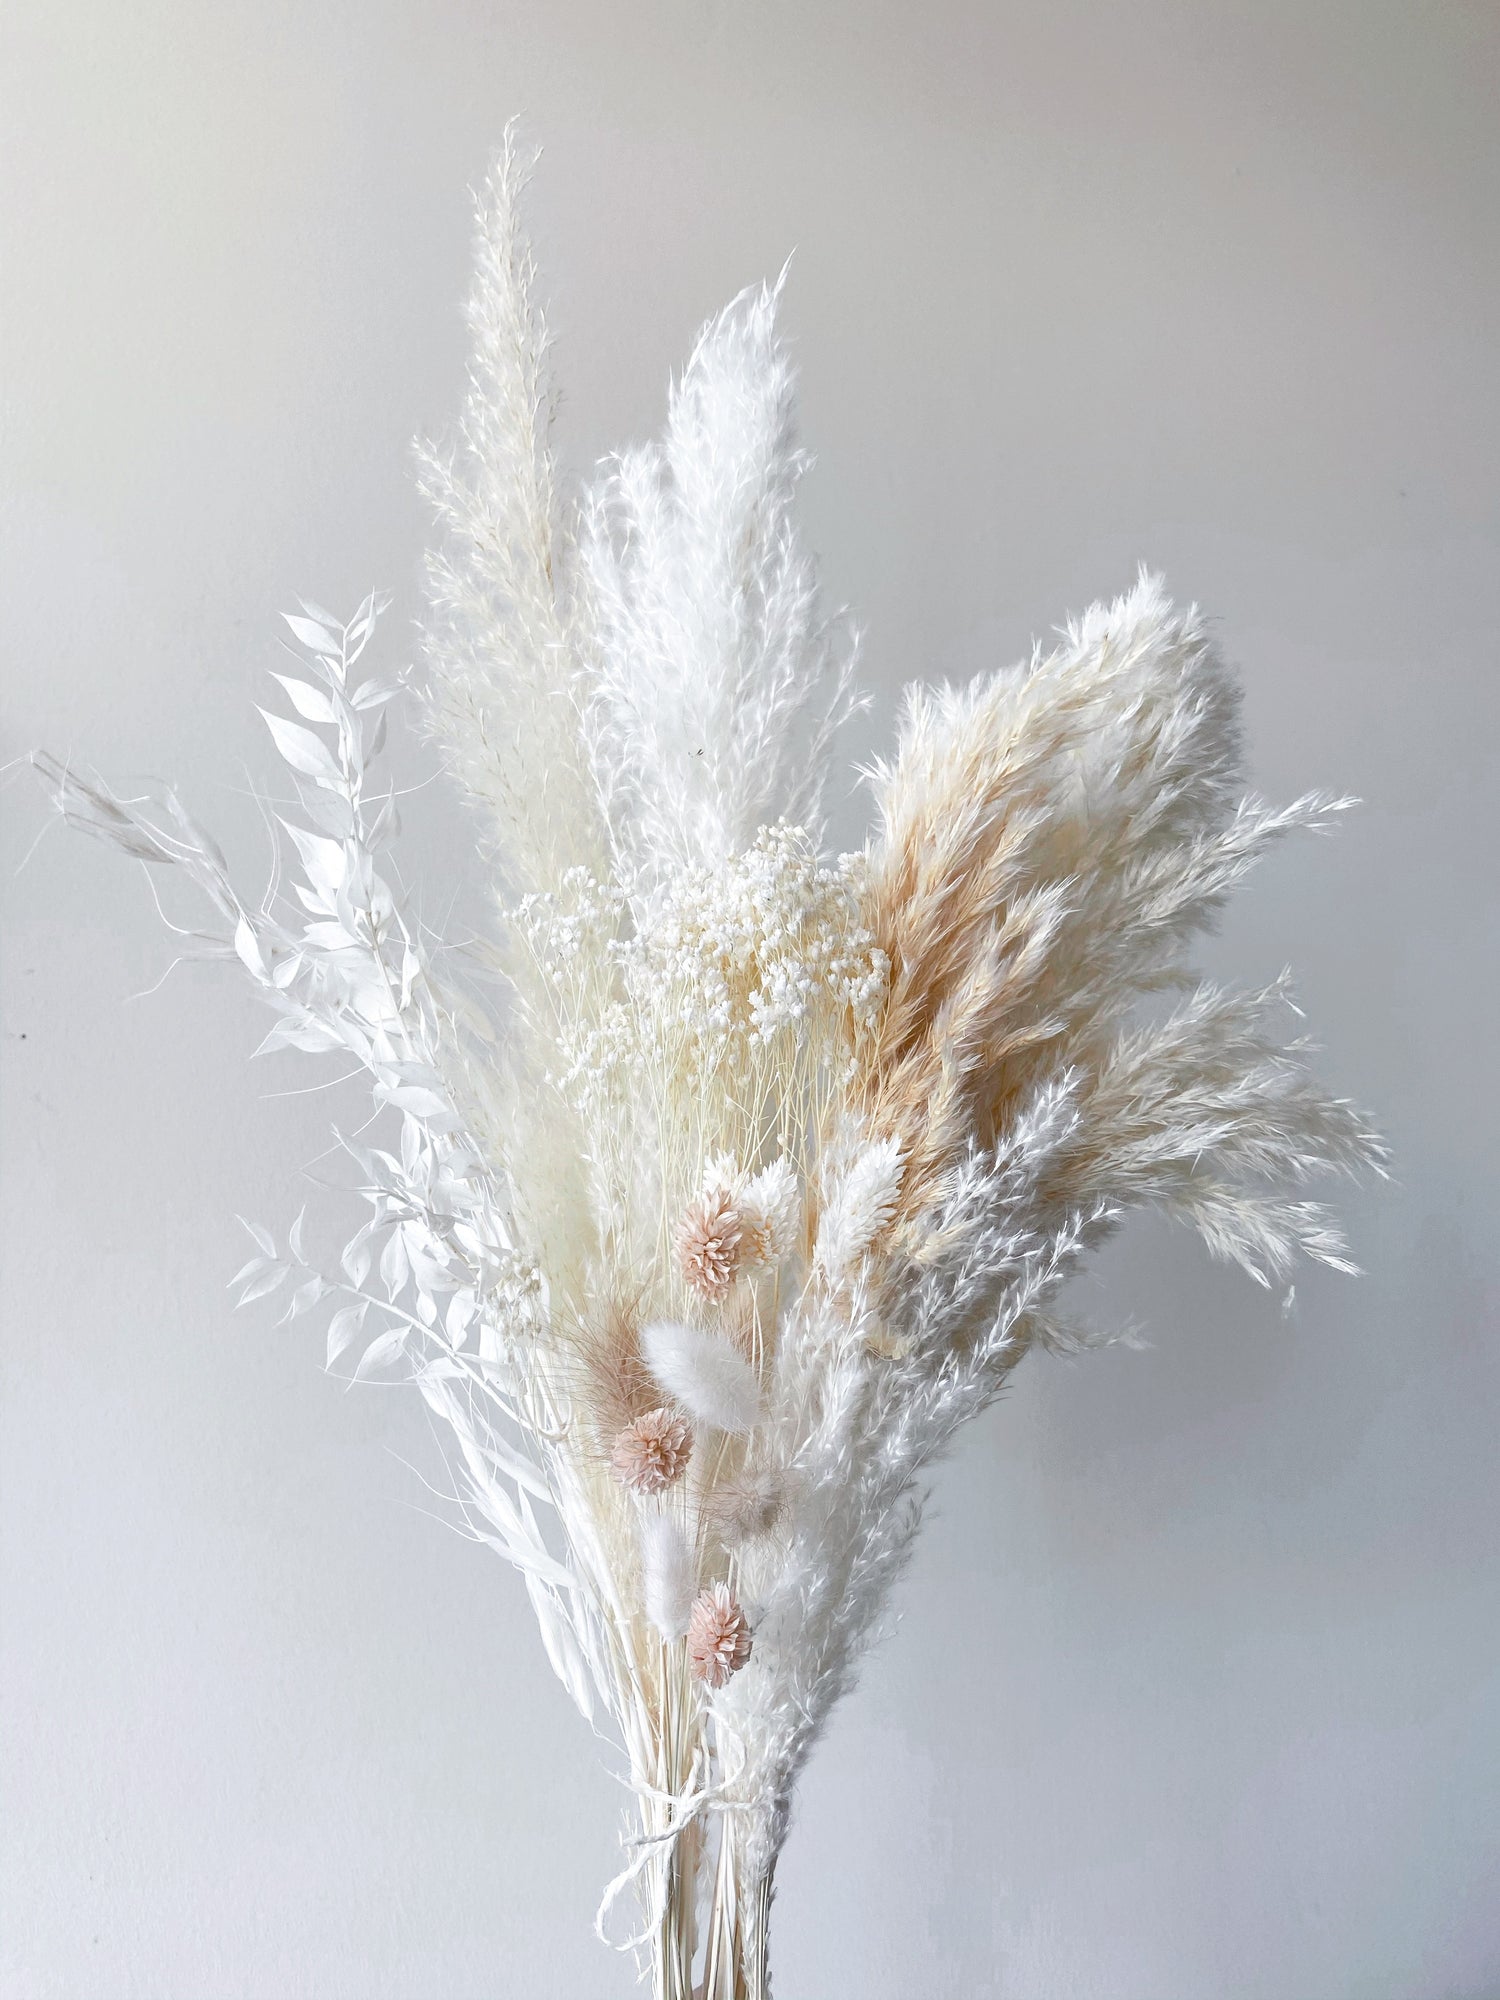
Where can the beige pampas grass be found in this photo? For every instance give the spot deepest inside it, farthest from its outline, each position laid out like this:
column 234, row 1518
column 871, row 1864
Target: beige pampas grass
column 1052, row 837
column 718, row 1636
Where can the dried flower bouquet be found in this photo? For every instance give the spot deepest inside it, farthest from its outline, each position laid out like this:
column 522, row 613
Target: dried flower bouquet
column 768, row 1168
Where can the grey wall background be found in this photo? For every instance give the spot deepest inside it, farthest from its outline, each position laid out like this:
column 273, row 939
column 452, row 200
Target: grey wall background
column 1195, row 1690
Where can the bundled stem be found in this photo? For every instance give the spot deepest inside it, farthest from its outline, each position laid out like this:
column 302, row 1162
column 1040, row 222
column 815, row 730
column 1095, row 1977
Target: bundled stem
column 769, row 1167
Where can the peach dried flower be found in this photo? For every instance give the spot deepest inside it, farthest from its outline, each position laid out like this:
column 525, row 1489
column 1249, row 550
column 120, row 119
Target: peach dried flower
column 718, row 1636
column 652, row 1451
column 708, row 1244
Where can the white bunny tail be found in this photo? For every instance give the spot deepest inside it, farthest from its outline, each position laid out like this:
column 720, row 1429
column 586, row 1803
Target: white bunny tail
column 711, row 1381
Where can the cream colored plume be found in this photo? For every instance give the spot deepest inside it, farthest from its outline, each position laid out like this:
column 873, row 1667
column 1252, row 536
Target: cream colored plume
column 704, row 1373
column 666, row 1574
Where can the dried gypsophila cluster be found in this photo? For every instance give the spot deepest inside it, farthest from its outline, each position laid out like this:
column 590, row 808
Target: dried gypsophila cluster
column 757, row 947
column 776, row 1165
column 763, row 948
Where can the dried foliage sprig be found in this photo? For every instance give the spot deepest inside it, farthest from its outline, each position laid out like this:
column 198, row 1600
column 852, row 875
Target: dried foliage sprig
column 776, row 1164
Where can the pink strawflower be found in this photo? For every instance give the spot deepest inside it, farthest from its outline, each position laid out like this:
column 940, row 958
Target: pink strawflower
column 653, row 1451
column 708, row 1244
column 718, row 1636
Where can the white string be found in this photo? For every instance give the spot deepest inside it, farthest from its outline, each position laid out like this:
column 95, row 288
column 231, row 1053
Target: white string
column 685, row 1807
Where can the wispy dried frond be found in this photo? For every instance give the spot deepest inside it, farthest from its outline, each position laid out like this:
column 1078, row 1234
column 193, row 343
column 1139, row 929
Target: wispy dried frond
column 607, row 1375
column 503, row 638
column 780, row 1161
column 719, row 681
column 1051, row 839
column 1215, row 1117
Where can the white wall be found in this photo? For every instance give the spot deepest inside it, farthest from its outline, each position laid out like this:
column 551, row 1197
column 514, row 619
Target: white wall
column 1196, row 1687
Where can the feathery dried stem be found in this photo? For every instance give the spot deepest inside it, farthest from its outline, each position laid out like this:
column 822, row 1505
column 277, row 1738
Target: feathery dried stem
column 778, row 1164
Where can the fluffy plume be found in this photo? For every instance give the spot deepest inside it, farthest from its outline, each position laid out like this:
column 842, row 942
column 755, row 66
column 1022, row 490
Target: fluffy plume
column 718, row 681
column 1052, row 838
column 965, row 1054
column 503, row 639
column 745, row 1506
column 704, row 1373
column 666, row 1573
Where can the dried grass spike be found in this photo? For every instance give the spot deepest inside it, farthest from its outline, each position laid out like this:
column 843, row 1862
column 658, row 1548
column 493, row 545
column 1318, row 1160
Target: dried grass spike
column 768, row 1214
column 666, row 1574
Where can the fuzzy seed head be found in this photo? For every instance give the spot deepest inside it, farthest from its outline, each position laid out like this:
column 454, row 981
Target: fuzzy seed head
column 718, row 1637
column 745, row 1508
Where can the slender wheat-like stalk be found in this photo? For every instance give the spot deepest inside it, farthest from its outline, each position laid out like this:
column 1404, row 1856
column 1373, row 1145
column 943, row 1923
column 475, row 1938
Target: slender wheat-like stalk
column 771, row 1165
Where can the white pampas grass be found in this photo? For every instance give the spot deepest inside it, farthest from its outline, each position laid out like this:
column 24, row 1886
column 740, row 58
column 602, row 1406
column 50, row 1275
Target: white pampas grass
column 855, row 1118
column 503, row 637
column 718, row 682
column 703, row 1372
column 667, row 1580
